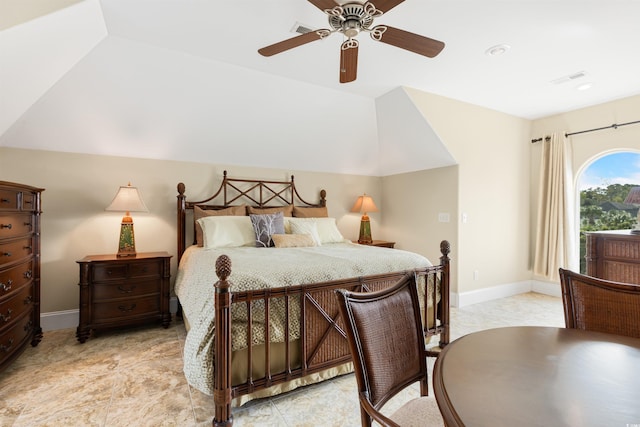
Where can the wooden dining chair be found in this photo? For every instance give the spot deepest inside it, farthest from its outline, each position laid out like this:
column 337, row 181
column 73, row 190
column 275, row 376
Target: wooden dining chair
column 384, row 330
column 600, row 305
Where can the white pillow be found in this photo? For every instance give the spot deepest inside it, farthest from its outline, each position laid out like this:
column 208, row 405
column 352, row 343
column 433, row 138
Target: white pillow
column 305, row 226
column 227, row 231
column 326, row 229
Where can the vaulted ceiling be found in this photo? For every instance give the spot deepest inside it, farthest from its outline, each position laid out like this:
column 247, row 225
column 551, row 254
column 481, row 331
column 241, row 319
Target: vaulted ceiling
column 182, row 78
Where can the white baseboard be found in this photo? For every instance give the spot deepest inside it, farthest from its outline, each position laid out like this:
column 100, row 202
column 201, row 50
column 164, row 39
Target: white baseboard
column 70, row 318
column 503, row 291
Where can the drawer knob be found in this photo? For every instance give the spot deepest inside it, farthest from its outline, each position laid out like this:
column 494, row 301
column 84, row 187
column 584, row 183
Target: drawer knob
column 7, row 347
column 127, row 309
column 6, row 286
column 7, row 254
column 8, row 226
column 28, row 300
column 27, row 248
column 4, row 200
column 126, row 291
column 28, row 202
column 6, row 317
column 28, row 274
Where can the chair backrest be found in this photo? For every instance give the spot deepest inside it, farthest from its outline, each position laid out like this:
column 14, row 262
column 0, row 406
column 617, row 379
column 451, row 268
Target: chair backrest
column 384, row 330
column 600, row 305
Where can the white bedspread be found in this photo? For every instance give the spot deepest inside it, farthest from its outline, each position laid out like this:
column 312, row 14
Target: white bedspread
column 259, row 268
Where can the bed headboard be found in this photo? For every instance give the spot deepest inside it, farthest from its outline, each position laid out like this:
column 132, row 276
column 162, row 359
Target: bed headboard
column 236, row 191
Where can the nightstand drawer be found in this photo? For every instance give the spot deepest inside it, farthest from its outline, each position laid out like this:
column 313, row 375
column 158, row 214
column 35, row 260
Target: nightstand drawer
column 15, row 225
column 15, row 277
column 129, row 288
column 109, row 312
column 15, row 306
column 145, row 269
column 105, row 272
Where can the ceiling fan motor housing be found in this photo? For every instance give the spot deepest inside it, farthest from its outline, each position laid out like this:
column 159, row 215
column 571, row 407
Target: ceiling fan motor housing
column 352, row 20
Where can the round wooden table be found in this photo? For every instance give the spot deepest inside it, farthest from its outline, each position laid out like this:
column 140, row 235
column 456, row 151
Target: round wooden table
column 539, row 376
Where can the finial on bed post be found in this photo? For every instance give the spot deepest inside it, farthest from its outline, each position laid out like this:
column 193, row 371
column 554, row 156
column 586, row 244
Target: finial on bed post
column 445, row 289
column 323, row 198
column 222, row 345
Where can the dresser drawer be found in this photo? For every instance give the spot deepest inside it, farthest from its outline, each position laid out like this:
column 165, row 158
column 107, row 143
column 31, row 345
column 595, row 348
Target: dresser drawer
column 15, row 336
column 129, row 288
column 15, row 225
column 110, row 312
column 28, row 202
column 15, row 277
column 15, row 306
column 14, row 250
column 8, row 199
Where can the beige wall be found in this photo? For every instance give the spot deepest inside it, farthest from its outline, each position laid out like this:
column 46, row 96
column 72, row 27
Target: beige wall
column 587, row 147
column 411, row 204
column 492, row 152
column 79, row 187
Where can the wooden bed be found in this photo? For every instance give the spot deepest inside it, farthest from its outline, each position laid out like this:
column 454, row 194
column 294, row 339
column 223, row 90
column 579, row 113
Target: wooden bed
column 321, row 345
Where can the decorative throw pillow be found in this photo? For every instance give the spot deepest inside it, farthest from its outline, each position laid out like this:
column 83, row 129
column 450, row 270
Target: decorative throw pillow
column 305, row 226
column 226, row 231
column 201, row 213
column 326, row 230
column 293, row 240
column 301, row 212
column 264, row 226
column 286, row 210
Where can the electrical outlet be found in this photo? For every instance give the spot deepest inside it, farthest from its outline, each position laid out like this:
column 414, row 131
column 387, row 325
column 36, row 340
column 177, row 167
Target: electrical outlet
column 443, row 217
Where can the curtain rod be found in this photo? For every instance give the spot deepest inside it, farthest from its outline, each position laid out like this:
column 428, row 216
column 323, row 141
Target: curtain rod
column 613, row 126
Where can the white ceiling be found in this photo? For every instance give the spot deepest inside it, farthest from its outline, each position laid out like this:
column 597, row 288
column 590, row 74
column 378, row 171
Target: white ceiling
column 549, row 39
column 182, row 79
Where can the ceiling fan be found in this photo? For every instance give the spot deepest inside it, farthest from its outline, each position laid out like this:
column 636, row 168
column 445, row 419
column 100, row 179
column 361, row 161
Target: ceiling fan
column 350, row 19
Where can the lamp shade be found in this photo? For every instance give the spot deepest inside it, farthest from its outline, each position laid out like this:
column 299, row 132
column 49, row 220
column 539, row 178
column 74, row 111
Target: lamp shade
column 364, row 204
column 127, row 199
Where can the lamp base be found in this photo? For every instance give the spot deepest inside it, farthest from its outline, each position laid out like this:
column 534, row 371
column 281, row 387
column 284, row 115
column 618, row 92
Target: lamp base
column 127, row 242
column 365, row 232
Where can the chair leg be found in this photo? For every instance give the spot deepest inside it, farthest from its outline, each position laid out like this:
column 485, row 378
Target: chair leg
column 424, row 387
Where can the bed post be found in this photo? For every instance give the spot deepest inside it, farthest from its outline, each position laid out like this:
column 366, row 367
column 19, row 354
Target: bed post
column 222, row 345
column 181, row 220
column 445, row 248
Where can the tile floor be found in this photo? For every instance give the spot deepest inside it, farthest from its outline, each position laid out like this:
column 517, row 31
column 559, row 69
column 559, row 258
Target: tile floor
column 134, row 377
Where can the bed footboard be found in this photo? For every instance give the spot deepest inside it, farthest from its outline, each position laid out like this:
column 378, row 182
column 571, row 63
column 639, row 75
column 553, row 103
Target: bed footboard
column 318, row 336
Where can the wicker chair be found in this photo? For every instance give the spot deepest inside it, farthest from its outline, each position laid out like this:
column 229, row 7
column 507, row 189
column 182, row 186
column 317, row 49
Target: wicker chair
column 600, row 305
column 385, row 335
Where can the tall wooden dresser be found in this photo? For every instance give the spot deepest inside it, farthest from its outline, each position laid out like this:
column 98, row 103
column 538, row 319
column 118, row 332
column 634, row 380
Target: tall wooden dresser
column 19, row 269
column 614, row 255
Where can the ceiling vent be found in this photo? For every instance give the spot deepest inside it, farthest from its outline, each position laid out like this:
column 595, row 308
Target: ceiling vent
column 569, row 78
column 300, row 28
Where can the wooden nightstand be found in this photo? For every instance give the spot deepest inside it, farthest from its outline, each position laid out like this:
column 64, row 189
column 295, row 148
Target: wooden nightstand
column 121, row 291
column 380, row 243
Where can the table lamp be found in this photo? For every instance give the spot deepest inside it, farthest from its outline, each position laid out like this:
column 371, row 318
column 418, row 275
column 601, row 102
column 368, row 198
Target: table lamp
column 633, row 198
column 363, row 205
column 127, row 200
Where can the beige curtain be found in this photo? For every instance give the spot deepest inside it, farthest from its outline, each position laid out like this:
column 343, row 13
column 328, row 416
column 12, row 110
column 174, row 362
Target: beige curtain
column 555, row 238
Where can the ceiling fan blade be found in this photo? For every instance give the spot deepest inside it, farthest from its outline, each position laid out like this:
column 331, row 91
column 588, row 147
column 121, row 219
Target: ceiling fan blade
column 289, row 43
column 323, row 4
column 406, row 40
column 385, row 5
column 348, row 61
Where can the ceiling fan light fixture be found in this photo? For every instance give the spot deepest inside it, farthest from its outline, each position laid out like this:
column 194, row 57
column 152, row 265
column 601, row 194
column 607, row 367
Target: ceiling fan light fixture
column 497, row 50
